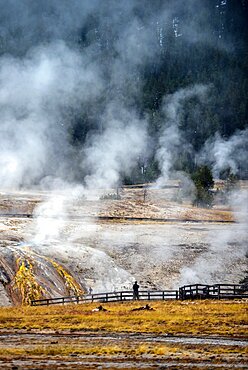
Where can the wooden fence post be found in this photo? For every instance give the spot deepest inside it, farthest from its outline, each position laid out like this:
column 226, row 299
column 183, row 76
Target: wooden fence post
column 219, row 291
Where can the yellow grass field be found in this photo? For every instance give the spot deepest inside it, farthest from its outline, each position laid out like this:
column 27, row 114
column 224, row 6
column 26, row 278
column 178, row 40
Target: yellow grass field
column 76, row 335
column 186, row 317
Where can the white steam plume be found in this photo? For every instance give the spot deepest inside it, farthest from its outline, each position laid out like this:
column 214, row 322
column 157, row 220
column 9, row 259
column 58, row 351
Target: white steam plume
column 53, row 235
column 35, row 92
column 171, row 141
column 224, row 154
column 114, row 151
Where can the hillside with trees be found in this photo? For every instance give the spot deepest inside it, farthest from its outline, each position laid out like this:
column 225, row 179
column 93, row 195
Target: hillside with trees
column 217, row 56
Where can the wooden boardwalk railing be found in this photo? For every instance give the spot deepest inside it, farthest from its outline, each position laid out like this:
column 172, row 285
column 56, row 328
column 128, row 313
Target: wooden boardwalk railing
column 218, row 291
column 196, row 291
column 109, row 297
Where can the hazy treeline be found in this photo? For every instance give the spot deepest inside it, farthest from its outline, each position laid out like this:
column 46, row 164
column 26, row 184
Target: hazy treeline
column 107, row 91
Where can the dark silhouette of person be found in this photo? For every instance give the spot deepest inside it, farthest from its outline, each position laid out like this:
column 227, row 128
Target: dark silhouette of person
column 135, row 290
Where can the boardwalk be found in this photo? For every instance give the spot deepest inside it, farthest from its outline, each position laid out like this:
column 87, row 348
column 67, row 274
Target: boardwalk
column 110, row 297
column 196, row 291
column 216, row 291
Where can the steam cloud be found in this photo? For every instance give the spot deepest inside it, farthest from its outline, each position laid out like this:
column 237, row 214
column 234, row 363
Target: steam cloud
column 171, row 141
column 35, row 93
column 225, row 154
column 115, row 150
column 47, row 79
column 50, row 228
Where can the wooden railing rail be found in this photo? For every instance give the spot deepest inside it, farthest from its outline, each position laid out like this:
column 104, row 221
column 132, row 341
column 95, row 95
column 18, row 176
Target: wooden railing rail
column 196, row 291
column 212, row 291
column 109, row 297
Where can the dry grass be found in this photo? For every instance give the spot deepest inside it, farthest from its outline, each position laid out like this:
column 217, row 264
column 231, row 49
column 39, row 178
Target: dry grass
column 191, row 318
column 56, row 333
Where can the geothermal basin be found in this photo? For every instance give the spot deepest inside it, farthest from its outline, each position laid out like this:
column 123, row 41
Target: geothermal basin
column 67, row 244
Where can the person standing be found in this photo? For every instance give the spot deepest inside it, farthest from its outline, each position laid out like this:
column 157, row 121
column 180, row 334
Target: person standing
column 135, row 290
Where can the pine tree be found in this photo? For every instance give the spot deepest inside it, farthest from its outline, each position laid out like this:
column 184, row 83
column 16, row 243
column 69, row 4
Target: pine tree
column 203, row 180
